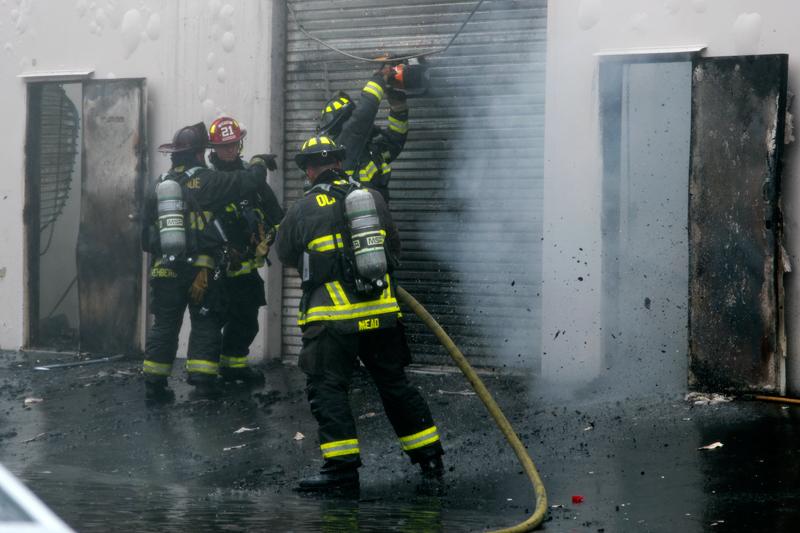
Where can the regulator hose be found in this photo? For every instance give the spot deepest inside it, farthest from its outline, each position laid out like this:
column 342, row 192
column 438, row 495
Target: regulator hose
column 500, row 419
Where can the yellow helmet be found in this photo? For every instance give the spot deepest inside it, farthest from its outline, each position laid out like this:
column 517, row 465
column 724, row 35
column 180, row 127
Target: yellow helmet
column 319, row 147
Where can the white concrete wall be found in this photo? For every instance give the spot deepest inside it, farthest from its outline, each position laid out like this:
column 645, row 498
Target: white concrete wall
column 573, row 167
column 200, row 59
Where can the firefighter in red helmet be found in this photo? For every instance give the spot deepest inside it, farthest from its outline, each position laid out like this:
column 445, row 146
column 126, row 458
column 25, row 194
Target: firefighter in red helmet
column 251, row 222
column 181, row 232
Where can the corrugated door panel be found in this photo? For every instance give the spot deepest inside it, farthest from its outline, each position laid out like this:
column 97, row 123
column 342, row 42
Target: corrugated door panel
column 466, row 192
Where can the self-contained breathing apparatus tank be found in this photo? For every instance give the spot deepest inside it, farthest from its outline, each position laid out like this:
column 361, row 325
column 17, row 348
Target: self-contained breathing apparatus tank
column 366, row 239
column 171, row 223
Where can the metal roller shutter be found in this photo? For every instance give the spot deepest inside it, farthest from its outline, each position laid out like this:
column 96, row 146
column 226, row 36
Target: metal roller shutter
column 467, row 190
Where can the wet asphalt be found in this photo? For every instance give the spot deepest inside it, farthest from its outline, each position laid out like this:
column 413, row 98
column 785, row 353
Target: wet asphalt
column 103, row 460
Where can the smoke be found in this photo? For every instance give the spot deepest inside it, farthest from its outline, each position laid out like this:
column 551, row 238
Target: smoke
column 486, row 237
column 493, row 195
column 643, row 275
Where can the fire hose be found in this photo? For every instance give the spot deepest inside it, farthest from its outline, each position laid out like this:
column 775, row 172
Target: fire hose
column 500, row 419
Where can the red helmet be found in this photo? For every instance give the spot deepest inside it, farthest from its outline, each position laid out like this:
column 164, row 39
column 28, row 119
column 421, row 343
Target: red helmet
column 225, row 130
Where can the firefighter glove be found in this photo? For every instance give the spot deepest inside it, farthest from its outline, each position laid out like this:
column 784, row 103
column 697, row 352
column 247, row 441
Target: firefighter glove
column 197, row 291
column 398, row 101
column 266, row 160
column 262, row 249
column 383, row 74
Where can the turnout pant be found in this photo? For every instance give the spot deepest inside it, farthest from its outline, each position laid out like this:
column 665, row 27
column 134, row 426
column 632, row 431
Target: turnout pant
column 327, row 359
column 169, row 300
column 245, row 296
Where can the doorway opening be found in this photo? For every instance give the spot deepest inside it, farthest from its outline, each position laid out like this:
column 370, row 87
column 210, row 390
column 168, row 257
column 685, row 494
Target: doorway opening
column 53, row 213
column 646, row 117
column 86, row 164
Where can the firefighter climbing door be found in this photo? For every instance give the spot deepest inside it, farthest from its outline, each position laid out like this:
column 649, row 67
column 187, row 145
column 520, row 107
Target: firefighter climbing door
column 735, row 265
column 109, row 258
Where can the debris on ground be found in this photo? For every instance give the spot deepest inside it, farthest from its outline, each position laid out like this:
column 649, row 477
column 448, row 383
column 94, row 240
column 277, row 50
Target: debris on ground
column 32, row 401
column 712, row 446
column 459, row 393
column 229, row 448
column 37, row 437
column 245, row 430
column 577, row 498
column 299, row 436
column 703, row 398
column 367, row 415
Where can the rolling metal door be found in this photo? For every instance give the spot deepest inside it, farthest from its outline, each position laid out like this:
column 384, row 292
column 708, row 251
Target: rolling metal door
column 466, row 192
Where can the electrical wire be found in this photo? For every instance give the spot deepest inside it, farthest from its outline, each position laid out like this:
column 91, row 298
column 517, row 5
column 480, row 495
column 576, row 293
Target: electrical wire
column 63, row 296
column 373, row 60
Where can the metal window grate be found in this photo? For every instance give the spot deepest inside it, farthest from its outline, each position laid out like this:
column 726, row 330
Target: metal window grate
column 59, row 128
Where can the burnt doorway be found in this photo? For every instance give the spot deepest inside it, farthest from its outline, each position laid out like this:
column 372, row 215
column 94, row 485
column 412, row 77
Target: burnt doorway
column 85, row 167
column 736, row 276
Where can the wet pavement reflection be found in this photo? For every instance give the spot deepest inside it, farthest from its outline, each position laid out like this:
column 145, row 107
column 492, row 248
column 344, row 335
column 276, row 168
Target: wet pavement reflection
column 104, row 461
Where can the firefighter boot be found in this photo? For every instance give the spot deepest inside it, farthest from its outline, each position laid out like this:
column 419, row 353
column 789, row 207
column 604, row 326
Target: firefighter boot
column 334, row 476
column 205, row 385
column 156, row 390
column 432, row 467
column 247, row 375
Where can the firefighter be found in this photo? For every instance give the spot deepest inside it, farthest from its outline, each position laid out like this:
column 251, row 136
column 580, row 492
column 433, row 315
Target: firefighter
column 251, row 223
column 342, row 320
column 370, row 149
column 188, row 277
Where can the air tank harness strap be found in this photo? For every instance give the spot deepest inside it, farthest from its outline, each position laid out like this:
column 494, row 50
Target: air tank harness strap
column 320, row 267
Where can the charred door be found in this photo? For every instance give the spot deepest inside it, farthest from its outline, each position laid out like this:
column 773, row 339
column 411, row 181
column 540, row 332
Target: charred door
column 108, row 254
column 735, row 282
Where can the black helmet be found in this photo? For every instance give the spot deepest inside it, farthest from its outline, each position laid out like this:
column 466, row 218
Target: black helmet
column 335, row 113
column 318, row 147
column 187, row 139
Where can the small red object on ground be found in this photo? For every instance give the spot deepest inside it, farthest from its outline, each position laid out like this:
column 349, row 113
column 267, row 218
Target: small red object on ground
column 577, row 499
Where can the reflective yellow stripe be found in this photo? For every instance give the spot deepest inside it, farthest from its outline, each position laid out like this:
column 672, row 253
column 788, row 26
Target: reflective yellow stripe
column 157, row 369
column 325, row 243
column 339, row 447
column 245, row 268
column 332, row 293
column 418, row 440
column 387, row 294
column 374, row 89
column 400, row 126
column 342, row 294
column 202, row 260
column 367, row 173
column 385, row 168
column 201, row 366
column 196, row 221
column 360, row 310
column 233, row 362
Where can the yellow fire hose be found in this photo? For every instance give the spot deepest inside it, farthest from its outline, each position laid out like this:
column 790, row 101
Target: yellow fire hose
column 500, row 419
